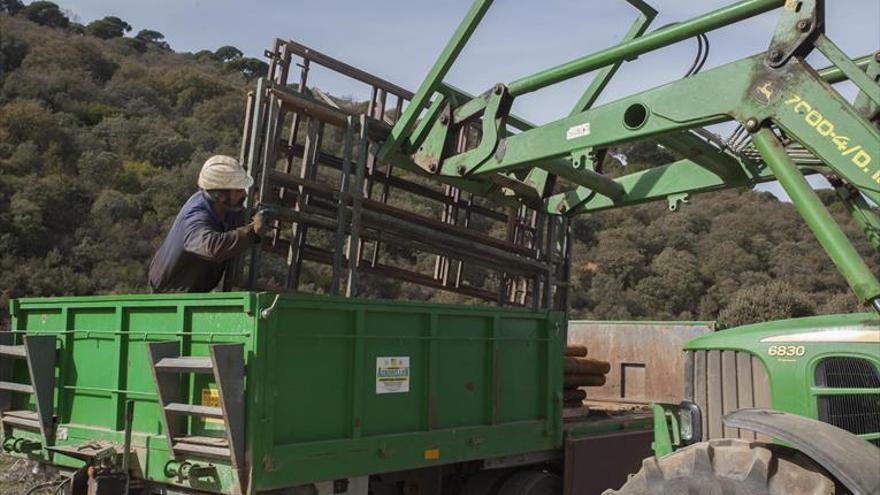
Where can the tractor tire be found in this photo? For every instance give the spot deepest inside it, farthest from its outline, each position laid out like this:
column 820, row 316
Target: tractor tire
column 729, row 467
column 532, row 483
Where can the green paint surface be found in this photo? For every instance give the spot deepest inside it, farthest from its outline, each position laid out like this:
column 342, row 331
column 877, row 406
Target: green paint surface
column 481, row 382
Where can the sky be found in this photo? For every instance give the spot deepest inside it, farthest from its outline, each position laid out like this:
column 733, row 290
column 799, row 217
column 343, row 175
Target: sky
column 399, row 40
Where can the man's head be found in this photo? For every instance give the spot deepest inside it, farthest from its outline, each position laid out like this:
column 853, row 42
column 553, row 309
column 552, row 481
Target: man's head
column 225, row 181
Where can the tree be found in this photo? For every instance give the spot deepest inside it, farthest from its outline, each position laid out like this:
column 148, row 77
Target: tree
column 11, row 7
column 227, row 53
column 205, row 55
column 108, row 28
column 77, row 28
column 133, row 43
column 46, row 14
column 154, row 38
column 775, row 300
column 12, row 53
column 251, row 68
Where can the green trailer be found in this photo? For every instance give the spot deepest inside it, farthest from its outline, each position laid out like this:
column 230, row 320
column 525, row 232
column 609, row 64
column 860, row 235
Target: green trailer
column 247, row 392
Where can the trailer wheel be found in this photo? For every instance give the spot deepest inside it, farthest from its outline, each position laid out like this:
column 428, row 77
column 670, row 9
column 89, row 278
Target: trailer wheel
column 729, row 466
column 485, row 482
column 532, row 483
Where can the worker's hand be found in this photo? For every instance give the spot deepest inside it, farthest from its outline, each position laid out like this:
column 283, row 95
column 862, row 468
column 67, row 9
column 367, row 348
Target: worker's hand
column 259, row 223
column 261, row 220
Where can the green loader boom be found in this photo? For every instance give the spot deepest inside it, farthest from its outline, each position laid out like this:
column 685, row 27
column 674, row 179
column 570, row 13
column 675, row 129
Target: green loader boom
column 794, row 123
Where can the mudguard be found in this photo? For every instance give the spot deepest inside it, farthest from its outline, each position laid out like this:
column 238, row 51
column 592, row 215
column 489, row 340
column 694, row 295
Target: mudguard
column 850, row 459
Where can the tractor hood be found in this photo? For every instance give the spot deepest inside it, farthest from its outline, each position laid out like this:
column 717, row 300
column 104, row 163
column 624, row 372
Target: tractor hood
column 854, row 328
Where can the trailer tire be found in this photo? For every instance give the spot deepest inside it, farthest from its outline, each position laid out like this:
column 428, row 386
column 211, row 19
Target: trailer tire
column 729, row 466
column 532, row 483
column 486, row 482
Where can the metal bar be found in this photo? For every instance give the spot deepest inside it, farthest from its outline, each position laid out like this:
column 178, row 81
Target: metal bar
column 601, row 80
column 126, row 444
column 379, row 226
column 318, row 255
column 429, row 233
column 371, row 105
column 251, row 164
column 834, row 74
column 378, row 132
column 658, row 39
column 323, row 112
column 307, row 172
column 229, row 373
column 246, row 130
column 346, row 69
column 355, row 244
column 808, row 204
column 860, row 210
column 863, row 103
column 310, row 187
column 683, row 176
column 694, row 148
column 342, row 207
column 668, row 108
column 439, row 70
column 379, row 230
column 41, row 357
column 402, row 184
column 296, row 120
column 460, row 95
column 273, row 59
column 235, row 268
column 858, row 76
column 284, row 55
column 467, row 223
column 586, row 177
column 810, row 111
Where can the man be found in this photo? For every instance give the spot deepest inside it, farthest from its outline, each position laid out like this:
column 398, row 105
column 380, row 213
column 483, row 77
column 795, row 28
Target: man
column 202, row 239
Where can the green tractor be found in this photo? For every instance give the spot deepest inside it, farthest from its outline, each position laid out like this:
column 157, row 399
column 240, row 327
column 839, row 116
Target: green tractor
column 812, row 383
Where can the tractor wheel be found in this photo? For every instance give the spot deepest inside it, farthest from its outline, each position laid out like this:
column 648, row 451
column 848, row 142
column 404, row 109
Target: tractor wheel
column 532, row 483
column 728, row 466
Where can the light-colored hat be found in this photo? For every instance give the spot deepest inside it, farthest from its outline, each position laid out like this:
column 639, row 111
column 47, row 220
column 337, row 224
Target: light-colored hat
column 224, row 172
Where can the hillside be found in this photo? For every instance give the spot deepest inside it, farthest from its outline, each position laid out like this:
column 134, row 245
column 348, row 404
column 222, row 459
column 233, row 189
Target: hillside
column 101, row 141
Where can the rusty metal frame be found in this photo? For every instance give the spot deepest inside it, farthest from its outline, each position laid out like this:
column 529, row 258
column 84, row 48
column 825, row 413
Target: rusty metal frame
column 346, row 208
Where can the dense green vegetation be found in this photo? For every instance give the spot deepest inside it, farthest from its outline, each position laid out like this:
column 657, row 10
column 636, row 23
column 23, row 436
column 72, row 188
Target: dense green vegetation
column 102, row 135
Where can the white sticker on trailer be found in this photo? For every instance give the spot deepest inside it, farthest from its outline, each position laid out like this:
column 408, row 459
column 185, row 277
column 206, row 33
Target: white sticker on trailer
column 392, row 375
column 577, row 131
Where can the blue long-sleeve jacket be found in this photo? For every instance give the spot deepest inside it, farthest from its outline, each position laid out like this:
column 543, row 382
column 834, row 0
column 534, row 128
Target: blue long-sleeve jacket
column 197, row 249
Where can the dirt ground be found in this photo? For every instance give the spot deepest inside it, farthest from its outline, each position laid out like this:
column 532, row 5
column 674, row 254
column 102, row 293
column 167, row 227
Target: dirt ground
column 18, row 476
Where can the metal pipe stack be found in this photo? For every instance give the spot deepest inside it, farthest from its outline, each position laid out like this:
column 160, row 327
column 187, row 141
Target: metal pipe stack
column 581, row 371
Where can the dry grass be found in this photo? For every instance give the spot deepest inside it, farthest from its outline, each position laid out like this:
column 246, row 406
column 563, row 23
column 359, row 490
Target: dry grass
column 17, row 476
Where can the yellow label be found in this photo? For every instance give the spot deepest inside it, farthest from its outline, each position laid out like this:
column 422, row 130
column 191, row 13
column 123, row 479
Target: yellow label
column 858, row 155
column 211, row 398
column 432, row 454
